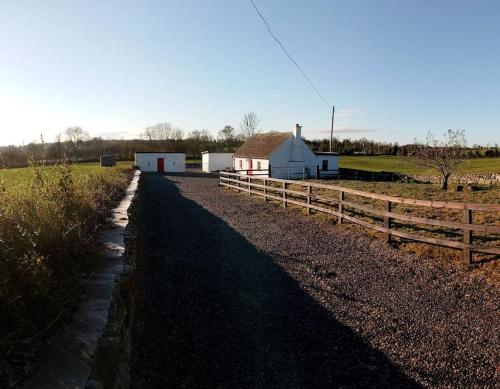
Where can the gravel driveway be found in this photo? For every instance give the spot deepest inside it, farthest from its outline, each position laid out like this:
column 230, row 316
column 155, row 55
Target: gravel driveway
column 236, row 293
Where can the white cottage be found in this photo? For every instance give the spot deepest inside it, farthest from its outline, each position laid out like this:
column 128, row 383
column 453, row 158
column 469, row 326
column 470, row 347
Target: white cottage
column 161, row 162
column 213, row 162
column 281, row 155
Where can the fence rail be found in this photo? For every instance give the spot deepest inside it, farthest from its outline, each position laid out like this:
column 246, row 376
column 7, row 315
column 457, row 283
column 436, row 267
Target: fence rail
column 290, row 172
column 278, row 189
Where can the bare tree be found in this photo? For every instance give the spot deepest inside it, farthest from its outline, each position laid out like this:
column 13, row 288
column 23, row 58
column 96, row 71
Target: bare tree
column 59, row 146
column 444, row 155
column 159, row 134
column 177, row 136
column 75, row 136
column 249, row 124
column 177, row 133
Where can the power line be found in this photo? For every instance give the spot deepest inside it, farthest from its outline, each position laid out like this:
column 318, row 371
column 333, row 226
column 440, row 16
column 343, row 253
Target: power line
column 288, row 54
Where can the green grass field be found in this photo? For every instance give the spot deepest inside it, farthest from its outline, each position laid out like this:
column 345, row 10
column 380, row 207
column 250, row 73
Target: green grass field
column 389, row 163
column 15, row 177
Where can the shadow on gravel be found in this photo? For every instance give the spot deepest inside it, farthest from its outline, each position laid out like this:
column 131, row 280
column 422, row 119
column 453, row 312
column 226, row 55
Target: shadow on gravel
column 198, row 173
column 213, row 312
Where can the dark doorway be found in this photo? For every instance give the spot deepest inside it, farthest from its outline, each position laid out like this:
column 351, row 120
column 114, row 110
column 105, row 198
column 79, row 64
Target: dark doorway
column 324, row 165
column 160, row 165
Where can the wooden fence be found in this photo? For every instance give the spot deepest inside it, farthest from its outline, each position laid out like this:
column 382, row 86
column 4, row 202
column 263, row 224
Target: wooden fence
column 278, row 189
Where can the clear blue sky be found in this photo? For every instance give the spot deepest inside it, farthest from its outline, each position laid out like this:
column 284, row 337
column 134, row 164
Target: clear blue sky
column 394, row 69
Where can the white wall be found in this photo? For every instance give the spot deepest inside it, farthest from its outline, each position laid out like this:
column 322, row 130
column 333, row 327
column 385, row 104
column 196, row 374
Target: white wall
column 245, row 165
column 333, row 161
column 173, row 162
column 293, row 159
column 289, row 160
column 211, row 162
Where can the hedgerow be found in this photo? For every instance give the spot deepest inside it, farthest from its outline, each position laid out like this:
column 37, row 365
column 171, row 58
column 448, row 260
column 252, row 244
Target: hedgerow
column 48, row 233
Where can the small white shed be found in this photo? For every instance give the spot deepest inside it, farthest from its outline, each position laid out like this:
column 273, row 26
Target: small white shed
column 213, row 162
column 327, row 161
column 161, row 162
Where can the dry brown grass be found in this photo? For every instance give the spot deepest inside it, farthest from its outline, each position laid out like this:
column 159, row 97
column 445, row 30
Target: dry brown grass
column 48, row 230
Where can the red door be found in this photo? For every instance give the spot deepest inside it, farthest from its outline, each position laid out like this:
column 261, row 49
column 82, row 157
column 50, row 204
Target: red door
column 160, row 165
column 249, row 171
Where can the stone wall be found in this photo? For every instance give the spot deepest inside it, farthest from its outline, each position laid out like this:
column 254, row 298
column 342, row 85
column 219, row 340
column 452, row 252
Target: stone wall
column 363, row 175
column 479, row 178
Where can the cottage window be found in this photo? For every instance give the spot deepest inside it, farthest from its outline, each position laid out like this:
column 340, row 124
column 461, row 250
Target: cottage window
column 258, row 165
column 324, row 165
column 241, row 163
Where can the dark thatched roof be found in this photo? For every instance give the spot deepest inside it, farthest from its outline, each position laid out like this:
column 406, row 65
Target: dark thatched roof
column 262, row 145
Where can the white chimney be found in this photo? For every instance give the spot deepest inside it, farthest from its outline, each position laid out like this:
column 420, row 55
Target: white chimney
column 297, row 132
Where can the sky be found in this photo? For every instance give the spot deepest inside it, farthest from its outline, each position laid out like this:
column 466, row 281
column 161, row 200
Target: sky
column 394, row 69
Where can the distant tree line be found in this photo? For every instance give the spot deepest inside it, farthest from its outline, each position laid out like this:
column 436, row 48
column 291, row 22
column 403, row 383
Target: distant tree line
column 364, row 146
column 76, row 145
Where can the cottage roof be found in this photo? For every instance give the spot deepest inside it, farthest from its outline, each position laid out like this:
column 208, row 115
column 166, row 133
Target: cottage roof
column 262, row 145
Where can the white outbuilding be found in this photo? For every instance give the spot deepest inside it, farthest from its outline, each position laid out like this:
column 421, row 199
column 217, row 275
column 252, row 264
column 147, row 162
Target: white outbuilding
column 161, row 162
column 213, row 162
column 328, row 162
column 282, row 155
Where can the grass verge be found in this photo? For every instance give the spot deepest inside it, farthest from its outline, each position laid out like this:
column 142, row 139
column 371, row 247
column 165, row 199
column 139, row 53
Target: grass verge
column 49, row 222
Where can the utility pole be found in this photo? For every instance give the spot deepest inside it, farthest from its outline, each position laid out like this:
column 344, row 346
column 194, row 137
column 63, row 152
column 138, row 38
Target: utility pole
column 331, row 132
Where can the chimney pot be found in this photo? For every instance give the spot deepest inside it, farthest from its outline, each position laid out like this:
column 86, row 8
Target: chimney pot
column 297, row 133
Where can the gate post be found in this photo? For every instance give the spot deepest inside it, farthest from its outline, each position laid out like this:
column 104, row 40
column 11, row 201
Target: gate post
column 467, row 237
column 284, row 195
column 387, row 221
column 309, row 190
column 341, row 207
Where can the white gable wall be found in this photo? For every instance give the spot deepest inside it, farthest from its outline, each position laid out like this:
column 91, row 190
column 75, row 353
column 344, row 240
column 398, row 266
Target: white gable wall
column 290, row 159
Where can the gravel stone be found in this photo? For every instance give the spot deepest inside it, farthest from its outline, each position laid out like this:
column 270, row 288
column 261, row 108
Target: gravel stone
column 238, row 293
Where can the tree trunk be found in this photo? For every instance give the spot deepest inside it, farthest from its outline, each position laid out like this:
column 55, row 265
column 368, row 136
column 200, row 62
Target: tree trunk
column 444, row 185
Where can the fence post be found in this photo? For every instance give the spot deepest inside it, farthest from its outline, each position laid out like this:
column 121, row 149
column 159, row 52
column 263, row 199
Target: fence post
column 284, row 194
column 249, row 186
column 269, row 171
column 309, row 191
column 341, row 207
column 265, row 189
column 467, row 237
column 387, row 221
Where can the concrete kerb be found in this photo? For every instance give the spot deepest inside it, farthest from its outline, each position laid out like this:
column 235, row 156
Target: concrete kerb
column 92, row 351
